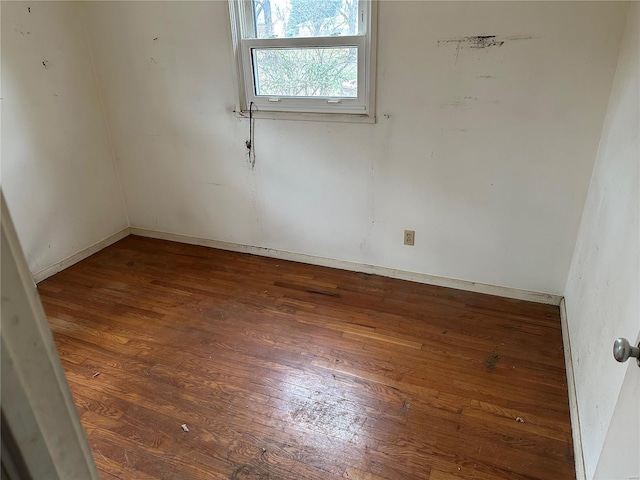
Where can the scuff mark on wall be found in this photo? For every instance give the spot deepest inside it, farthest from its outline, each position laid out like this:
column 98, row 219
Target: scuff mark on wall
column 483, row 41
column 475, row 41
column 519, row 37
column 460, row 102
column 214, row 184
column 480, row 42
column 467, row 102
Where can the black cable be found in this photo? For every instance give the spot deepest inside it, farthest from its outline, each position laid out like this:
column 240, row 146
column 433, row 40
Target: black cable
column 250, row 142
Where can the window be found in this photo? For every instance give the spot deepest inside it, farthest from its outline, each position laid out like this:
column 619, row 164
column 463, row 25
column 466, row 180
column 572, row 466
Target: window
column 306, row 56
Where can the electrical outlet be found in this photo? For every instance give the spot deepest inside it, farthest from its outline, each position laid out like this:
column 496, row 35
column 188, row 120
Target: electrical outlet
column 409, row 237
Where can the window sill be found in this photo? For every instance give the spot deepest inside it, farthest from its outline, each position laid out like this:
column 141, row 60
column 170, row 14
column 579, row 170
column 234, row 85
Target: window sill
column 312, row 117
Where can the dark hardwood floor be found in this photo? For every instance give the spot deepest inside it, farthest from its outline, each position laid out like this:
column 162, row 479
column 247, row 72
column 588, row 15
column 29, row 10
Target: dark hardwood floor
column 282, row 370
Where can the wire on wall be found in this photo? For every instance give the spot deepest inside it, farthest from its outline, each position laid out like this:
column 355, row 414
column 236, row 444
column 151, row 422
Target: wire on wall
column 251, row 142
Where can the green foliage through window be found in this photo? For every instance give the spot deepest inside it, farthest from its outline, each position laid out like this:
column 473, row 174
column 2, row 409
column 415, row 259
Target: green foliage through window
column 305, row 18
column 306, row 72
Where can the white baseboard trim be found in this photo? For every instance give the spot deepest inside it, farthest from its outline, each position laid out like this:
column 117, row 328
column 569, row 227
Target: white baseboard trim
column 573, row 399
column 81, row 255
column 356, row 267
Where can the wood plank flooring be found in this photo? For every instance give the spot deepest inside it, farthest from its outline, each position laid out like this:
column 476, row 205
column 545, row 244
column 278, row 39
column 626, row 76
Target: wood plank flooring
column 282, row 370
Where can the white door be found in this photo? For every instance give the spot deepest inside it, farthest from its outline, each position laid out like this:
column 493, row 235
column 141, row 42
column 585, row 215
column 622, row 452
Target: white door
column 620, row 457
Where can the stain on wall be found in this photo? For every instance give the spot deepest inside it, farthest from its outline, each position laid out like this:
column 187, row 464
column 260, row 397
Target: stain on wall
column 475, row 41
column 483, row 41
column 480, row 42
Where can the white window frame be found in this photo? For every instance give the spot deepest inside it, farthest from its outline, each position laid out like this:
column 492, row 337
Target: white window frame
column 357, row 109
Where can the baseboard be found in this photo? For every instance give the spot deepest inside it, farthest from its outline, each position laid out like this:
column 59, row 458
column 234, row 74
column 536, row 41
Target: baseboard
column 573, row 399
column 356, row 267
column 87, row 252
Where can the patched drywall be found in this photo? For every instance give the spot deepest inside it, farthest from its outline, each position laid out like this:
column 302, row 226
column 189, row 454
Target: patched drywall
column 58, row 173
column 489, row 116
column 603, row 288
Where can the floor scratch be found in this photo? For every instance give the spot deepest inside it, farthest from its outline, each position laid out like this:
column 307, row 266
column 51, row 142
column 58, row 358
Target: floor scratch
column 405, row 407
column 100, row 453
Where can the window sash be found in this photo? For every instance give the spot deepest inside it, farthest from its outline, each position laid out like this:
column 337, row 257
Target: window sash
column 247, row 25
column 242, row 21
column 306, row 104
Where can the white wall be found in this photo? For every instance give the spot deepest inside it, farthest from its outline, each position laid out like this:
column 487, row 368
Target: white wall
column 603, row 288
column 58, row 173
column 486, row 153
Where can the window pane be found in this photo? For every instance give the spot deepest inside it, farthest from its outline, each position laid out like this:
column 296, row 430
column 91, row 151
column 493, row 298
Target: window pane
column 305, row 18
column 306, row 72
